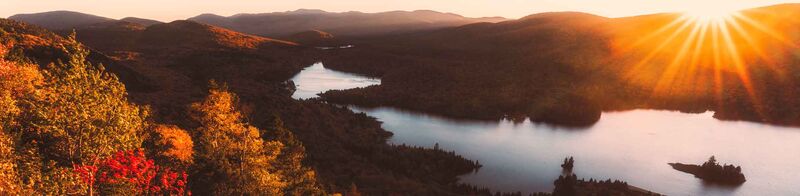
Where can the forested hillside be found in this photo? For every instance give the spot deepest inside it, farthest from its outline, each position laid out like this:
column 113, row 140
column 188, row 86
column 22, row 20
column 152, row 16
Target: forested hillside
column 69, row 125
column 566, row 68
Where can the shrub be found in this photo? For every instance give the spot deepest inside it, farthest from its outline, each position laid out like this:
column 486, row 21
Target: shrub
column 131, row 173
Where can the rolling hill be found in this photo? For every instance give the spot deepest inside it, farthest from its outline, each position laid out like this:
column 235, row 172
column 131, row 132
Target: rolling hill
column 58, row 20
column 141, row 21
column 566, row 68
column 38, row 45
column 313, row 38
column 67, row 20
column 279, row 24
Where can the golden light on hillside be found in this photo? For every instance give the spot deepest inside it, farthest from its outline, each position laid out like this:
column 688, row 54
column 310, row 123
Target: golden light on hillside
column 704, row 51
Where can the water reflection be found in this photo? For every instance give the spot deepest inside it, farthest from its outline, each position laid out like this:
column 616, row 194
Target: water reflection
column 634, row 146
column 316, row 79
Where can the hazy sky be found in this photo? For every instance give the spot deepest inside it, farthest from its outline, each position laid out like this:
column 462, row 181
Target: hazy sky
column 168, row 10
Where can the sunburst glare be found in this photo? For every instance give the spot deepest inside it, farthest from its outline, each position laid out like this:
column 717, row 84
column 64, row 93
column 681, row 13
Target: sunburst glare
column 704, row 51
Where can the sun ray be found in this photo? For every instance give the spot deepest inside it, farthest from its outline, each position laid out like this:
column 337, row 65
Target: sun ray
column 697, row 53
column 719, row 85
column 740, row 68
column 683, row 21
column 759, row 26
column 755, row 46
column 671, row 73
column 659, row 48
column 718, row 58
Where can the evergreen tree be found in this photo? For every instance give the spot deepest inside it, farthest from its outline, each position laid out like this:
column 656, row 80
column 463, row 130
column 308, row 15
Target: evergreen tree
column 231, row 157
column 300, row 180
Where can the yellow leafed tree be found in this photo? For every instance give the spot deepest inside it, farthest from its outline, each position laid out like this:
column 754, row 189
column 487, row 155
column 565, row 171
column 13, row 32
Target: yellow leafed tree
column 231, row 157
column 82, row 112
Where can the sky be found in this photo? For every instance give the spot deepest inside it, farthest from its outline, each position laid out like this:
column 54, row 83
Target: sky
column 168, row 10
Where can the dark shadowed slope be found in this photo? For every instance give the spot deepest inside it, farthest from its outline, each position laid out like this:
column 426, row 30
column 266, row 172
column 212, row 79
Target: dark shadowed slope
column 141, row 21
column 312, row 38
column 340, row 24
column 566, row 68
column 199, row 52
column 516, row 69
column 56, row 20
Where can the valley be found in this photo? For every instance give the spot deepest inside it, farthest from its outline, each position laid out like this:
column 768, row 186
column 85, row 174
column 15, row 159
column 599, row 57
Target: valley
column 421, row 102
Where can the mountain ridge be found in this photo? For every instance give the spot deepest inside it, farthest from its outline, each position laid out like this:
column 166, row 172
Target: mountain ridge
column 567, row 67
column 338, row 23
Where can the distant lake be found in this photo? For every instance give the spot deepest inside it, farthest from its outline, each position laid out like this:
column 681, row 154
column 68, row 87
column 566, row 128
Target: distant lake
column 634, row 146
column 316, row 79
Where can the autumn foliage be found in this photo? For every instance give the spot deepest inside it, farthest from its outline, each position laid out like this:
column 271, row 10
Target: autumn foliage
column 173, row 144
column 131, row 169
column 232, row 158
column 83, row 111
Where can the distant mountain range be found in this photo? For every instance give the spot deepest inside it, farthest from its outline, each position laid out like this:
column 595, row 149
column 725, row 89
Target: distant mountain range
column 64, row 20
column 339, row 24
column 141, row 21
column 282, row 24
column 57, row 20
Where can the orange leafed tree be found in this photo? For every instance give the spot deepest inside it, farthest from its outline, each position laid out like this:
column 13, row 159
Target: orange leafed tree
column 232, row 158
column 174, row 144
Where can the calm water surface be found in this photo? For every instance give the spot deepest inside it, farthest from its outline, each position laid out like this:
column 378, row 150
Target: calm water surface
column 316, row 79
column 634, row 146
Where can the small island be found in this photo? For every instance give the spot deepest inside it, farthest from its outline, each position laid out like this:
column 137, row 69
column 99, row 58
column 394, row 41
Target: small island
column 713, row 172
column 569, row 184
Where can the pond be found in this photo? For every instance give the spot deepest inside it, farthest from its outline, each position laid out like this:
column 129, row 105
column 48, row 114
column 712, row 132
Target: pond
column 634, row 146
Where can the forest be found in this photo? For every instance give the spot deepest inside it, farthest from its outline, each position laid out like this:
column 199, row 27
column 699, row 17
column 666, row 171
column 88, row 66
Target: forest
column 87, row 114
column 71, row 126
column 566, row 68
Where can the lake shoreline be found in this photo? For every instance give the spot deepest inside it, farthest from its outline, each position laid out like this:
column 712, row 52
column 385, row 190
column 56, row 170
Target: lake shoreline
column 530, row 152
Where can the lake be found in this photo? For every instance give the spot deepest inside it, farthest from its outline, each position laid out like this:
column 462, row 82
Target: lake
column 316, row 79
column 634, row 146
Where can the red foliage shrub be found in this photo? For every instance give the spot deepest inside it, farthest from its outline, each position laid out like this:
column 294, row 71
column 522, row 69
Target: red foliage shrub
column 132, row 168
